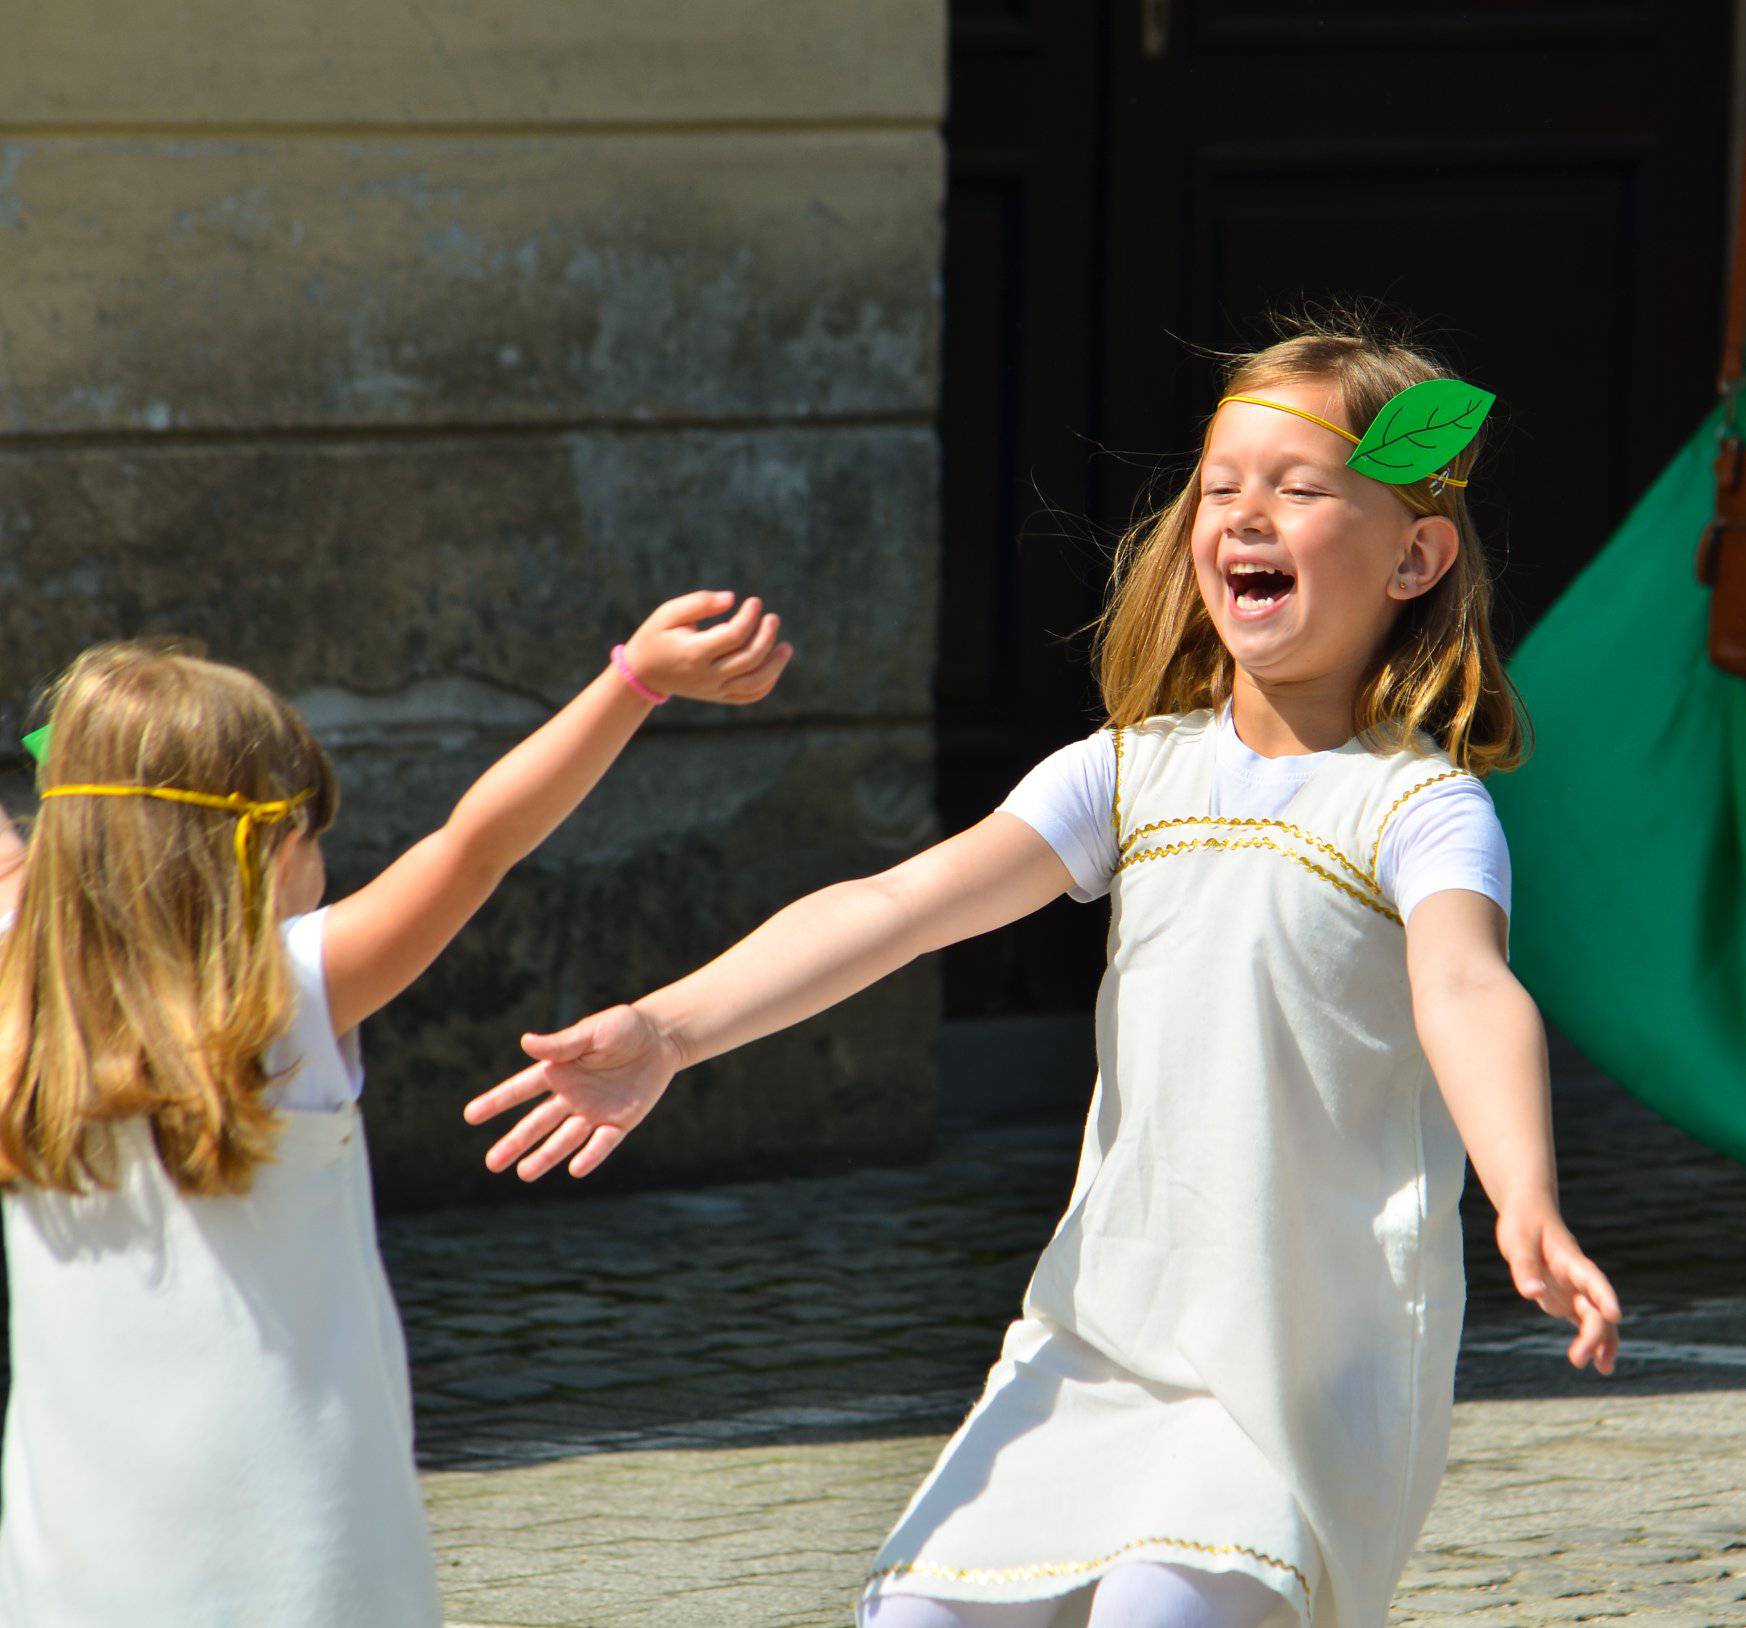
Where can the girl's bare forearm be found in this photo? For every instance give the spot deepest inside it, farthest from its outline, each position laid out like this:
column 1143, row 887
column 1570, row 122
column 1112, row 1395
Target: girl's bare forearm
column 829, row 945
column 817, row 951
column 1487, row 1047
column 522, row 798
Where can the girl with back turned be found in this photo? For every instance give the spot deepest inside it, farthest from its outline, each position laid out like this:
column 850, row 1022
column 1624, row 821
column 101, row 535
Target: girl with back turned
column 210, row 1422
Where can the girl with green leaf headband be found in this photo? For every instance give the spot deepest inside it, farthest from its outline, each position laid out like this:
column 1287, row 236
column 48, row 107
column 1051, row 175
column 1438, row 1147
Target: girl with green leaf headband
column 1226, row 1398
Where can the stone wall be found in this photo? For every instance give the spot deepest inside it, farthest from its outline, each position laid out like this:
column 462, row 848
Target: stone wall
column 407, row 355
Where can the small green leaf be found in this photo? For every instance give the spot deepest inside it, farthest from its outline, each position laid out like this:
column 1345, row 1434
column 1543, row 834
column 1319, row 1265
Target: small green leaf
column 1421, row 431
column 37, row 743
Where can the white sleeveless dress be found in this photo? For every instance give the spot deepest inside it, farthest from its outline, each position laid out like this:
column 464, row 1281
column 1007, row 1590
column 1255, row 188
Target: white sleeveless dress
column 210, row 1421
column 1237, row 1352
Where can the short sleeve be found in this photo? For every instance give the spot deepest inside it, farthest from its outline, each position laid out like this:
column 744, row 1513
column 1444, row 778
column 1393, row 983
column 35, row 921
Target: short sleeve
column 1069, row 801
column 315, row 1072
column 1449, row 836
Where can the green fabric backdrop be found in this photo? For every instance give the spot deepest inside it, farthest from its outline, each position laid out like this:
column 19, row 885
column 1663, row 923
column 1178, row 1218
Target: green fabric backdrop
column 1626, row 825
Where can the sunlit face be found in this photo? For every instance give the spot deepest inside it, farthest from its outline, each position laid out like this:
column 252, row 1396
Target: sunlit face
column 1299, row 559
column 302, row 874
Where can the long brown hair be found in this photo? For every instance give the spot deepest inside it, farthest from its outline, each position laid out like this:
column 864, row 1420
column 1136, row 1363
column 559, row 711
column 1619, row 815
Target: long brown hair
column 1438, row 671
column 141, row 976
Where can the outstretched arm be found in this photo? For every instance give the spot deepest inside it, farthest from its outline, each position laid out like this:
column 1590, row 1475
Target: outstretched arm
column 1483, row 1036
column 595, row 1081
column 379, row 939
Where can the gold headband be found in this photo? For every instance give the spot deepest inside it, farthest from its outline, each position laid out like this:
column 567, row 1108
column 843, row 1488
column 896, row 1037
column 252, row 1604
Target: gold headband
column 1438, row 481
column 250, row 814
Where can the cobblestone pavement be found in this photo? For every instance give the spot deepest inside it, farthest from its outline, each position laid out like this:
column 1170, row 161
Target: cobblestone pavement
column 706, row 1407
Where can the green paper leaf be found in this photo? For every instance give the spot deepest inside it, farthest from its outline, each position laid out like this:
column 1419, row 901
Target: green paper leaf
column 1421, row 431
column 37, row 743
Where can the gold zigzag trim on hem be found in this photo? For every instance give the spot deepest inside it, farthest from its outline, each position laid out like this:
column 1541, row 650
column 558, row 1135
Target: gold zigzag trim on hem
column 1074, row 1568
column 1170, row 850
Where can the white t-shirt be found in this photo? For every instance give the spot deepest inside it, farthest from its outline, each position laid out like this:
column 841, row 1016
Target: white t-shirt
column 320, row 1073
column 1447, row 837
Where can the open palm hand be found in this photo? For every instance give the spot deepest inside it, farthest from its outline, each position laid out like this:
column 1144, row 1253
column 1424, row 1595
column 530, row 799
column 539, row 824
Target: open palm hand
column 590, row 1085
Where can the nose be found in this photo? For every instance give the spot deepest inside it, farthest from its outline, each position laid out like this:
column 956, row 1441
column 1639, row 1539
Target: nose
column 1248, row 515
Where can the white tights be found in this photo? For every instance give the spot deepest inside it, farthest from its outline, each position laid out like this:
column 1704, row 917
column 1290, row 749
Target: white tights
column 1140, row 1595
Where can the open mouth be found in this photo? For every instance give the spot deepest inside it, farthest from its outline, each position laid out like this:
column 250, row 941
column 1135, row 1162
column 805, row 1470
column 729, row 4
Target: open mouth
column 1255, row 588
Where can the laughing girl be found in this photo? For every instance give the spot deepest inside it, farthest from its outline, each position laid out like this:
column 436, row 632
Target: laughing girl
column 1227, row 1398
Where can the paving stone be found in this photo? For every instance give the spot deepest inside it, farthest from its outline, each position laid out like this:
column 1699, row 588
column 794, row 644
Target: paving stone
column 772, row 1367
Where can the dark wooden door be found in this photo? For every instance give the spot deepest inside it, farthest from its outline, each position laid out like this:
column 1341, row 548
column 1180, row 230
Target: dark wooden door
column 1541, row 181
column 1022, row 392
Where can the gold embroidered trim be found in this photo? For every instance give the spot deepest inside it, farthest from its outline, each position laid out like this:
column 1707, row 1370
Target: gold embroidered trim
column 1115, row 813
column 1318, row 843
column 1170, row 850
column 1074, row 1568
column 1399, row 803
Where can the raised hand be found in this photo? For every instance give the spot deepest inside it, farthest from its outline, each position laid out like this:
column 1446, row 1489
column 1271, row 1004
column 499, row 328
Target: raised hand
column 1552, row 1271
column 591, row 1086
column 735, row 662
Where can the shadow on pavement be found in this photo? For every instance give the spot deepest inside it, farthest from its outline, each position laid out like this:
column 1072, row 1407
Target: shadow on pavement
column 871, row 1303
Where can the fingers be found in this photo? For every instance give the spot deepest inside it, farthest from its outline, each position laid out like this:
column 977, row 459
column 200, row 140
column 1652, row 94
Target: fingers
column 602, row 1040
column 1597, row 1337
column 1527, row 1268
column 1592, row 1282
column 751, row 655
column 533, row 1127
column 1551, row 1270
column 549, row 1134
column 517, row 1089
column 760, row 681
column 570, row 1134
column 575, row 1098
column 596, row 1149
column 737, row 661
column 727, row 637
column 1607, row 1358
column 563, row 1047
column 692, row 607
column 1593, row 1306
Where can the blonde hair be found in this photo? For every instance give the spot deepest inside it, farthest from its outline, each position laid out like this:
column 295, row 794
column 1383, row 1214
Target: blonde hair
column 141, row 977
column 1438, row 670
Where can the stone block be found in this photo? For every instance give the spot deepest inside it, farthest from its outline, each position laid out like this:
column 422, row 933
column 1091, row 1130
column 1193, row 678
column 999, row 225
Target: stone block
column 448, row 62
column 689, row 843
column 414, row 588
column 241, row 283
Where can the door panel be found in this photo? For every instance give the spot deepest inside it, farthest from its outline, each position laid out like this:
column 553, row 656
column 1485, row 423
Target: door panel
column 1543, row 184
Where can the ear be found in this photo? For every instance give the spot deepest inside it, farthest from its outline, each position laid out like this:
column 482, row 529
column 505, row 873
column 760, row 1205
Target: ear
column 285, row 855
column 1432, row 543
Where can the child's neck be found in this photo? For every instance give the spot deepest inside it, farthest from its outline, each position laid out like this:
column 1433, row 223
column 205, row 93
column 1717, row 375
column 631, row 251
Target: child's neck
column 1287, row 720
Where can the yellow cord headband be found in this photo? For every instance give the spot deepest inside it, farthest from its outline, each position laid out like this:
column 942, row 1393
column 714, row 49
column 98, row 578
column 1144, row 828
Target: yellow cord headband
column 249, row 814
column 1418, row 430
column 1296, row 412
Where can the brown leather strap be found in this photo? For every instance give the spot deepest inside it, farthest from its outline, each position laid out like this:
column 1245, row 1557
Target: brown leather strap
column 1734, row 335
column 1721, row 560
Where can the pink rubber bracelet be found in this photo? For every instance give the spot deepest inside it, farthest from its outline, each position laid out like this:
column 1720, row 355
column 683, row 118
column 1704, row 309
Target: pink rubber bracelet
column 622, row 662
